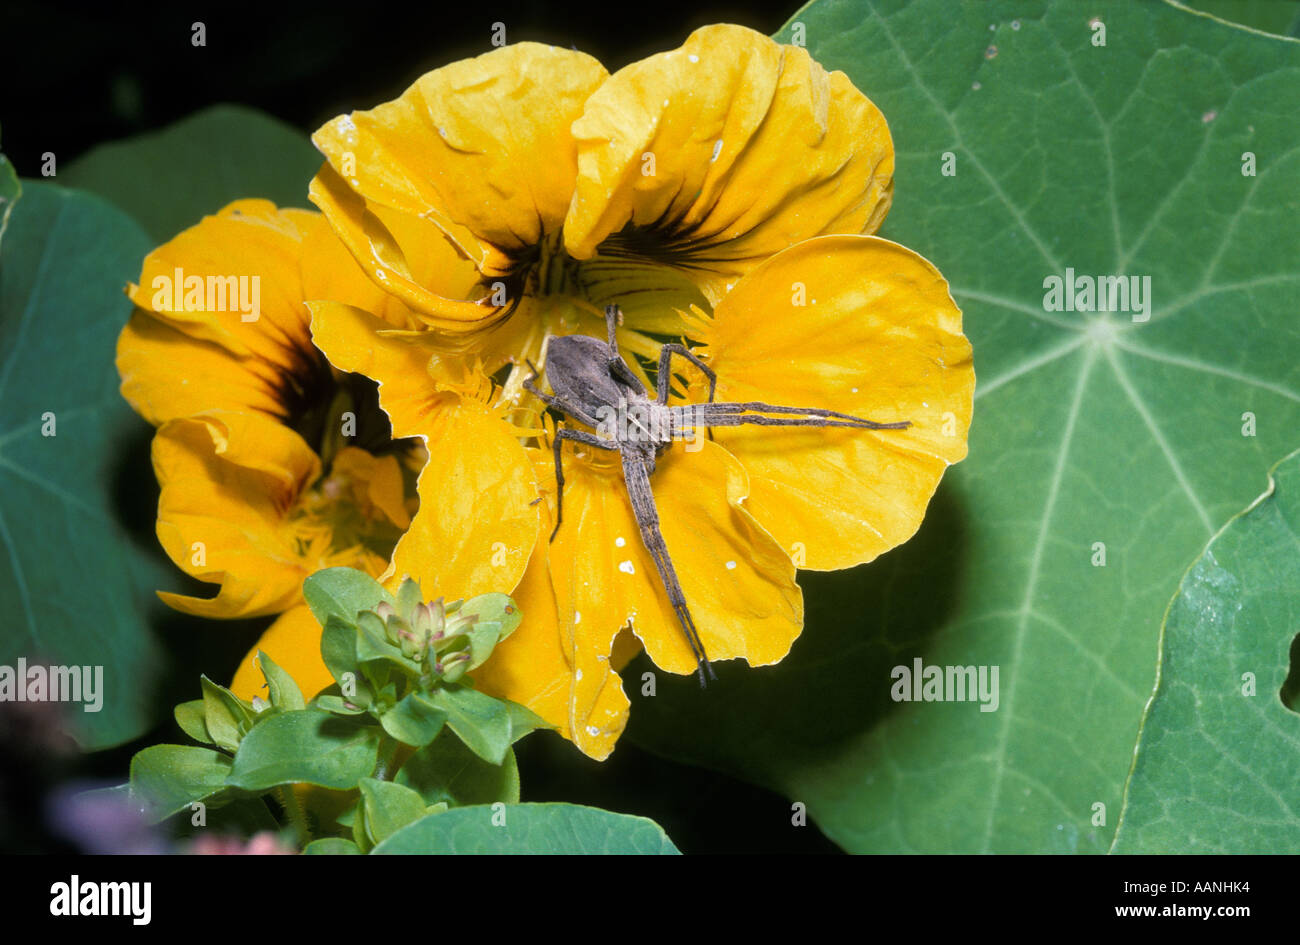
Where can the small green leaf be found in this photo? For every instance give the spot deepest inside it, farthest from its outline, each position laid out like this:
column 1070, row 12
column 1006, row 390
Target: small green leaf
column 343, row 593
column 168, row 778
column 408, row 596
column 483, row 638
column 529, row 829
column 415, row 720
column 226, row 717
column 337, row 704
column 190, row 717
column 373, row 644
column 447, row 771
column 481, row 722
column 338, row 646
column 285, row 693
column 310, row 746
column 500, row 608
column 484, row 610
column 388, row 807
column 524, row 720
column 331, row 846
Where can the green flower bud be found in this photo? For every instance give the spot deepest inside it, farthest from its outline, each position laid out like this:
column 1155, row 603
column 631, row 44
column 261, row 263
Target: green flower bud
column 454, row 667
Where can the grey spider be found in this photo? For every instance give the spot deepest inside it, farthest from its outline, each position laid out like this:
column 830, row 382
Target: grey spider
column 592, row 384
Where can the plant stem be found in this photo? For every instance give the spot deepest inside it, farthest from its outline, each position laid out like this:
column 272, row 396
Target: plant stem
column 384, row 767
column 289, row 801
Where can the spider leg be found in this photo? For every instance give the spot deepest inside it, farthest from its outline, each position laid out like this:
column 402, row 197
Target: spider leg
column 664, row 377
column 613, row 318
column 637, row 479
column 706, row 414
column 758, row 420
column 533, row 389
column 617, row 366
column 578, row 436
column 665, row 374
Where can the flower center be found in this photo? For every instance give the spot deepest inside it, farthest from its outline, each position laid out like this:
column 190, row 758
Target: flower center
column 337, row 522
column 353, row 513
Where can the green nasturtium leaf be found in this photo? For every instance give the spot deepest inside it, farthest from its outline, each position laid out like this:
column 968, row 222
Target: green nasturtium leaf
column 1217, row 760
column 446, row 771
column 76, row 587
column 1104, row 452
column 529, row 829
column 167, row 779
column 1272, row 16
column 307, row 747
column 169, row 180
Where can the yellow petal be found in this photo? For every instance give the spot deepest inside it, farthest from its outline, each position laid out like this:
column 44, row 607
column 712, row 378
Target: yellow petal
column 480, row 147
column 228, row 482
column 754, row 145
column 293, row 642
column 649, row 295
column 478, row 516
column 368, row 238
column 477, row 520
column 862, row 326
column 167, row 374
column 330, row 272
column 738, row 583
column 234, row 279
column 377, row 484
column 539, row 667
column 356, row 341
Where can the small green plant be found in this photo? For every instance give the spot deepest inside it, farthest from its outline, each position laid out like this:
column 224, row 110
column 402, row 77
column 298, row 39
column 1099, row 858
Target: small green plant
column 401, row 735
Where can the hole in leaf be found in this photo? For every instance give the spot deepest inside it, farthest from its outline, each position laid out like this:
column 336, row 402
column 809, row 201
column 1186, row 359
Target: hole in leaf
column 1290, row 691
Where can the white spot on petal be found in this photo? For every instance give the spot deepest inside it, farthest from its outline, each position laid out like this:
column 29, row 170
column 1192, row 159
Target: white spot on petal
column 619, row 542
column 577, row 617
column 626, row 567
column 717, row 149
column 577, row 675
column 693, row 58
column 731, row 565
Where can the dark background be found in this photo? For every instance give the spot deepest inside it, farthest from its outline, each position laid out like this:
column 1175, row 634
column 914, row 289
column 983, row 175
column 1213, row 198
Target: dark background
column 73, row 77
column 78, row 75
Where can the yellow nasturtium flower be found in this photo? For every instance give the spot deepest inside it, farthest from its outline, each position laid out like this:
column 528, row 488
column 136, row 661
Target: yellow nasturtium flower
column 562, row 189
column 261, row 483
column 509, row 198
